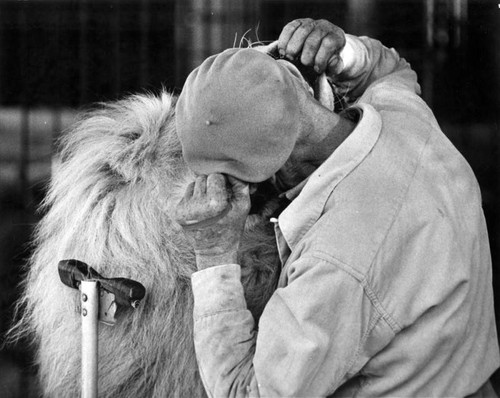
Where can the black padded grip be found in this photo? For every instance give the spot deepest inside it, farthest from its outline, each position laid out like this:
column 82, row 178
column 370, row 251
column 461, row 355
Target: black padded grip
column 127, row 291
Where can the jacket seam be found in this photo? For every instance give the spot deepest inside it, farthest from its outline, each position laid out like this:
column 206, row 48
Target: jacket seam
column 370, row 293
column 398, row 205
column 219, row 312
column 381, row 313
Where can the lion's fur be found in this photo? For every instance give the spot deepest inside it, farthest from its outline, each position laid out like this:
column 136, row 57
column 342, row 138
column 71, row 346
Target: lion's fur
column 120, row 173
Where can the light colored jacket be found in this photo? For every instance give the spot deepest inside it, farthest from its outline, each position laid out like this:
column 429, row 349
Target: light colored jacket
column 386, row 282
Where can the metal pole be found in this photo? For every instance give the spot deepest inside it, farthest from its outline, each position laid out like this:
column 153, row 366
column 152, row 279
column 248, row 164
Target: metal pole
column 90, row 309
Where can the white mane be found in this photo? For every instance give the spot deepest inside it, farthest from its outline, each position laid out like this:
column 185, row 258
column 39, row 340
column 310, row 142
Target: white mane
column 120, row 172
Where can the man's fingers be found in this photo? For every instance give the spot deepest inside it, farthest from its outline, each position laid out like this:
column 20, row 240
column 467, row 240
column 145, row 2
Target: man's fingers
column 216, row 184
column 286, row 35
column 296, row 43
column 216, row 191
column 317, row 43
column 335, row 65
column 311, row 47
column 200, row 186
column 328, row 52
column 241, row 190
column 325, row 52
column 189, row 191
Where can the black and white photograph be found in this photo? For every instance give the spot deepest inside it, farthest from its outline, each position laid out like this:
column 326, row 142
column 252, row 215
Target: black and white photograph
column 249, row 198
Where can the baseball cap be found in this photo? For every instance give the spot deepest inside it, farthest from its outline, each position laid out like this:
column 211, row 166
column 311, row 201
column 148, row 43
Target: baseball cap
column 238, row 114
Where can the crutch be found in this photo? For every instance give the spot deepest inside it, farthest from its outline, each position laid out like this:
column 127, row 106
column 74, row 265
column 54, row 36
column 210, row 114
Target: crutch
column 99, row 300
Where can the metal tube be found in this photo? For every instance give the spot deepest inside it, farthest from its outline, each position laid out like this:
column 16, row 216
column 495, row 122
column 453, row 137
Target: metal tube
column 89, row 293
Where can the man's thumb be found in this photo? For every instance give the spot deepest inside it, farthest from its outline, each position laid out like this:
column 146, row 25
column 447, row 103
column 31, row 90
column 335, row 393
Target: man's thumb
column 240, row 189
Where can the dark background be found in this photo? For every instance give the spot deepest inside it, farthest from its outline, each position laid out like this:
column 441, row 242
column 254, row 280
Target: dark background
column 59, row 56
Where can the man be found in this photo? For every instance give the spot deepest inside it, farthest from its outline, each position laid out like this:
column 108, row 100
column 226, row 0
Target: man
column 385, row 288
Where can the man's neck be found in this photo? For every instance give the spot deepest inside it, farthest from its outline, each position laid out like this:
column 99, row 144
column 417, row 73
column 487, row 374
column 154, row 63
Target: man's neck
column 316, row 147
column 317, row 151
column 333, row 140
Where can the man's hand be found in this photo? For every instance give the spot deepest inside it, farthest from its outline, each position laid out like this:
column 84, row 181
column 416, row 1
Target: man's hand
column 317, row 42
column 213, row 217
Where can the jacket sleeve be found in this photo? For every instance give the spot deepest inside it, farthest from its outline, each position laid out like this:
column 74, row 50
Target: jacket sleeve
column 366, row 61
column 308, row 335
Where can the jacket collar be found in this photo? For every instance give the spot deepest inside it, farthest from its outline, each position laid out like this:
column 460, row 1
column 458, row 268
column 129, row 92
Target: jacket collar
column 310, row 196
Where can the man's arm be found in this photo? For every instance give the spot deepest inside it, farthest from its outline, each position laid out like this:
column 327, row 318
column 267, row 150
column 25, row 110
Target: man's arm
column 351, row 63
column 368, row 61
column 308, row 335
column 299, row 337
column 310, row 330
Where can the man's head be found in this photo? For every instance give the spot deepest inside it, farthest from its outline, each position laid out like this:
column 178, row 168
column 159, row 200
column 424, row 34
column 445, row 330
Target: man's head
column 241, row 113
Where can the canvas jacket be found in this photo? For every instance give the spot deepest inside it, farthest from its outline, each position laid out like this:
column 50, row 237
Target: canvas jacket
column 386, row 286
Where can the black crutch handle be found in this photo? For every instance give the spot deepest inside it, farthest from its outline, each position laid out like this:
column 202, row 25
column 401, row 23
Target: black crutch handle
column 127, row 291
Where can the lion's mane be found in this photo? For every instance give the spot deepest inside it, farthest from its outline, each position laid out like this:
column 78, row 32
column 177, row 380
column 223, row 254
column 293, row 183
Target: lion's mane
column 120, row 171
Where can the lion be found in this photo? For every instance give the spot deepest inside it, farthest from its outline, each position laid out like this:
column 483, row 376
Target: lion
column 119, row 173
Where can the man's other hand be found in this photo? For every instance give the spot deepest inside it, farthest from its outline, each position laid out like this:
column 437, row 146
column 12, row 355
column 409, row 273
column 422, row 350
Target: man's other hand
column 213, row 213
column 317, row 42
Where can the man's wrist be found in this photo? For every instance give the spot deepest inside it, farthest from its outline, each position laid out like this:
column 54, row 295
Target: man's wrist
column 354, row 58
column 206, row 260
